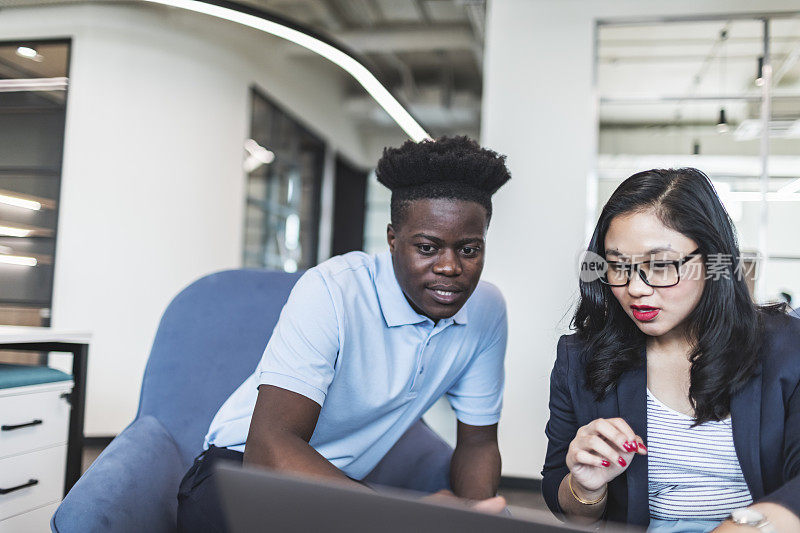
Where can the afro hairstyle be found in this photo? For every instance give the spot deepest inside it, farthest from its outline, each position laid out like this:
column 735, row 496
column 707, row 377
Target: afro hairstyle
column 449, row 167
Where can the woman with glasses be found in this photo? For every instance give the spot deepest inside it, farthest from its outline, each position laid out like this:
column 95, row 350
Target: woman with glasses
column 676, row 404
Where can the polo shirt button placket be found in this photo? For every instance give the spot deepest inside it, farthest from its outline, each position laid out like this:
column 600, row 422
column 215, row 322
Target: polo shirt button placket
column 421, row 365
column 422, row 360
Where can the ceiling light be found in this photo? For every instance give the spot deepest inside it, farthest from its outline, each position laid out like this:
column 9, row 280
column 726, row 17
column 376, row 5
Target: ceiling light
column 33, row 84
column 791, row 187
column 257, row 156
column 760, row 72
column 292, row 232
column 750, row 128
column 29, row 53
column 744, row 196
column 18, row 260
column 10, row 231
column 361, row 74
column 20, row 202
column 290, row 265
column 722, row 123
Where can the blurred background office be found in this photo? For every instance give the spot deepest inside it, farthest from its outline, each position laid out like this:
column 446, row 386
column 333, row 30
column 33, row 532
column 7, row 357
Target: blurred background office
column 143, row 146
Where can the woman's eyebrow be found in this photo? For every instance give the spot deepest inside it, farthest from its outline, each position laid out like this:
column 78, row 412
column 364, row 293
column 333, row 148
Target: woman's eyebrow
column 655, row 250
column 661, row 249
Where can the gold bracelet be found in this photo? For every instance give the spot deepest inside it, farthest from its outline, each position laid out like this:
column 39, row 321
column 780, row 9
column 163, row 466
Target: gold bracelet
column 579, row 499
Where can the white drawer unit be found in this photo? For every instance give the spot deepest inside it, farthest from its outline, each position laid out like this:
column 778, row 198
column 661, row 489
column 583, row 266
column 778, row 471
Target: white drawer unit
column 33, row 417
column 31, row 480
column 36, row 521
column 34, row 425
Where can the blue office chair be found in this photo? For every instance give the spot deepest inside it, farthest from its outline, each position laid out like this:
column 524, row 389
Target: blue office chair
column 209, row 340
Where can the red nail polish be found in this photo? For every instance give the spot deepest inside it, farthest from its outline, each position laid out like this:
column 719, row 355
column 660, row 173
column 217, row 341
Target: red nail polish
column 642, row 446
column 629, row 447
column 622, row 462
column 606, row 463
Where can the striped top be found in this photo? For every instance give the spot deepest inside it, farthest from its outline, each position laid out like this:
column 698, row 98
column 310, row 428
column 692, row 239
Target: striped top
column 693, row 472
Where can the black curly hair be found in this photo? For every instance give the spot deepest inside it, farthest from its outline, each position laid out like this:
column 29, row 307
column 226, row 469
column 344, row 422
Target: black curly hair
column 449, row 167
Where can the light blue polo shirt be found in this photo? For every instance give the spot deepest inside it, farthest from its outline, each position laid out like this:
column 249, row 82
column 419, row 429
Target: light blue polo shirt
column 348, row 339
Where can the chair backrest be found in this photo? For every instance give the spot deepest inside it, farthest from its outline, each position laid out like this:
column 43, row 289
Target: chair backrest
column 210, row 339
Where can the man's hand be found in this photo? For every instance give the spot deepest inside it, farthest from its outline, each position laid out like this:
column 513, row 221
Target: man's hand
column 495, row 505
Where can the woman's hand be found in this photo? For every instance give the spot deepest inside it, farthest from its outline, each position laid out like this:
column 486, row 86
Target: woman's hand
column 600, row 451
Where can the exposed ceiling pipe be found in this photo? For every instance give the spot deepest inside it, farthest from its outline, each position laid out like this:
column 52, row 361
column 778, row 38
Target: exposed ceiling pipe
column 476, row 13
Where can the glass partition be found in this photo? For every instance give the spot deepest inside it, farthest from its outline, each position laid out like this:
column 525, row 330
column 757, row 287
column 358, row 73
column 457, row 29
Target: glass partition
column 284, row 164
column 33, row 97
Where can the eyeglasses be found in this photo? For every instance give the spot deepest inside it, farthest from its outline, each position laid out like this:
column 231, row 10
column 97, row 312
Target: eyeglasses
column 655, row 273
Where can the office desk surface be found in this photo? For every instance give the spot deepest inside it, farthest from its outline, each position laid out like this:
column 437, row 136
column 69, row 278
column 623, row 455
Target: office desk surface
column 20, row 334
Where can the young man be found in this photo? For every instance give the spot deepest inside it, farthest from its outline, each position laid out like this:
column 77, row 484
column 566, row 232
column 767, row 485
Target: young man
column 366, row 344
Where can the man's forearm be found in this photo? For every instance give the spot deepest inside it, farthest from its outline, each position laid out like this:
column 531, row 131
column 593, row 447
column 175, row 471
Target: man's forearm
column 475, row 470
column 288, row 453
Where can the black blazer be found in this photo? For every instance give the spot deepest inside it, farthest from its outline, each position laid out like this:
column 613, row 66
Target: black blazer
column 765, row 417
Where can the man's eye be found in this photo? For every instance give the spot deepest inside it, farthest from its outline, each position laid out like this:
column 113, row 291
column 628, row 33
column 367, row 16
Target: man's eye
column 426, row 248
column 469, row 250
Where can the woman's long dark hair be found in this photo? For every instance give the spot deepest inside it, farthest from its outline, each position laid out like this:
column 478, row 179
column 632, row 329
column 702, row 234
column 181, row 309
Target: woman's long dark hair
column 725, row 326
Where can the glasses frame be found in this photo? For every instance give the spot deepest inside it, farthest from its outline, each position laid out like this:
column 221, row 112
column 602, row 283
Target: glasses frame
column 637, row 267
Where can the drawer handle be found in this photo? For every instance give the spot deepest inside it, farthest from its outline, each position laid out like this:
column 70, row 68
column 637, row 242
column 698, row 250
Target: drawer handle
column 5, row 427
column 30, row 483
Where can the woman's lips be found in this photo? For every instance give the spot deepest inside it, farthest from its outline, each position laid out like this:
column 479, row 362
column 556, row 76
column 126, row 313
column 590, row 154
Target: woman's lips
column 644, row 313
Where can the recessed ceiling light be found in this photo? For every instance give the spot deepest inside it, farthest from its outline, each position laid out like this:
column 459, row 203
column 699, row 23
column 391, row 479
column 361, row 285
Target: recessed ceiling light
column 25, row 51
column 29, row 53
column 20, row 260
column 11, row 231
column 20, row 202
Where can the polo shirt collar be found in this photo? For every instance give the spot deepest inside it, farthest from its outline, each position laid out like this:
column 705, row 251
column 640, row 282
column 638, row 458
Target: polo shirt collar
column 394, row 305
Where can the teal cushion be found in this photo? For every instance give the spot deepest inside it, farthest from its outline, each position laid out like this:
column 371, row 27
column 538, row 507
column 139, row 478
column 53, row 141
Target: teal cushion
column 22, row 375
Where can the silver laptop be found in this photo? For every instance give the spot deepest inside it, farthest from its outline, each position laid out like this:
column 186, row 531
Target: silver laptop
column 256, row 500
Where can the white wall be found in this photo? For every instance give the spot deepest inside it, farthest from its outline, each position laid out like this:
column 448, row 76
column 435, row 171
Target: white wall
column 538, row 108
column 153, row 189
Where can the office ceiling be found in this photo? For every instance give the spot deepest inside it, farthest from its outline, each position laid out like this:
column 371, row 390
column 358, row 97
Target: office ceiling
column 429, row 52
column 674, row 73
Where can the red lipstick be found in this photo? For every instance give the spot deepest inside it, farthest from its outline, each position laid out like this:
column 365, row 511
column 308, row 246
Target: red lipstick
column 644, row 313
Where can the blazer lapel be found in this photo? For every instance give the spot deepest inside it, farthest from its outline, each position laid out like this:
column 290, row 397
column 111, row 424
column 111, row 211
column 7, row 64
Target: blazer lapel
column 746, row 422
column 632, row 404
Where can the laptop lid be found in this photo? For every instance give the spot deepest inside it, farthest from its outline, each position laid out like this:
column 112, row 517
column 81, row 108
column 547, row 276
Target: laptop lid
column 259, row 500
